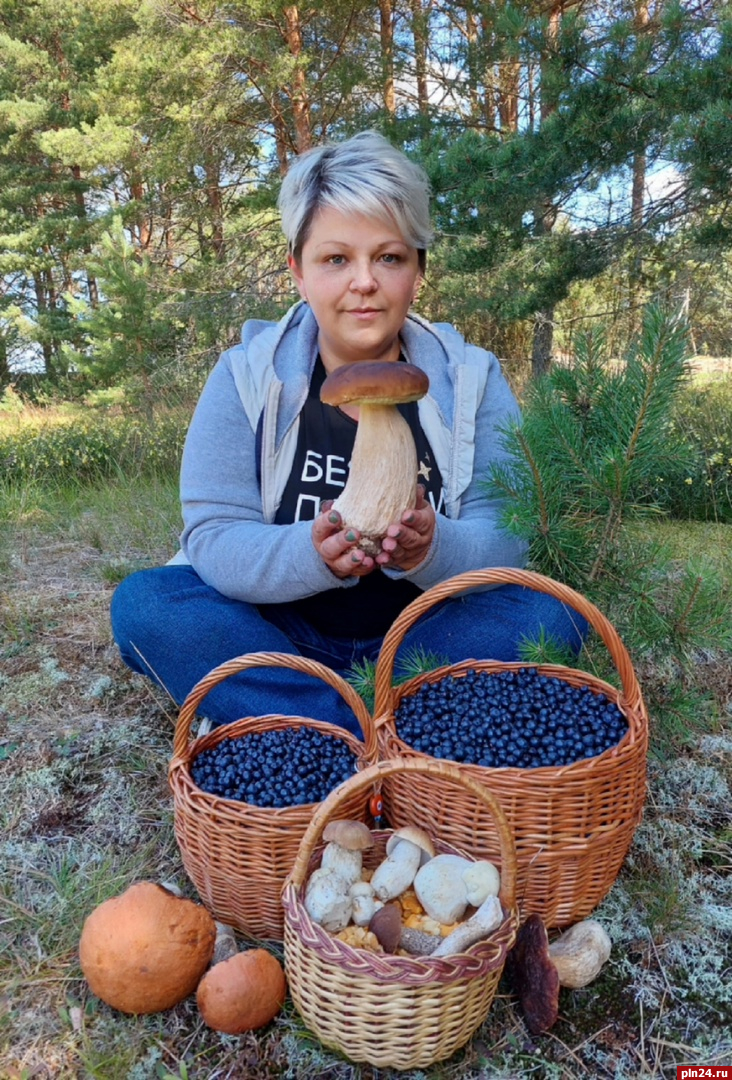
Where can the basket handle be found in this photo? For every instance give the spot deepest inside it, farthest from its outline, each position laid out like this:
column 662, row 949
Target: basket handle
column 276, row 660
column 499, row 576
column 372, row 777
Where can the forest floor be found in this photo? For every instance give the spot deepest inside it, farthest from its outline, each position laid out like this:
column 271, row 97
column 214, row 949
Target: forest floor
column 85, row 811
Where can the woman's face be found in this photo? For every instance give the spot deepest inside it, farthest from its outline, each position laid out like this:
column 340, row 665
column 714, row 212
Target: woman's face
column 359, row 277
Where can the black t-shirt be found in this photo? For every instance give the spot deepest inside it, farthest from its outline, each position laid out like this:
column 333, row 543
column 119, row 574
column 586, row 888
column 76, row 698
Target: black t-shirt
column 319, row 471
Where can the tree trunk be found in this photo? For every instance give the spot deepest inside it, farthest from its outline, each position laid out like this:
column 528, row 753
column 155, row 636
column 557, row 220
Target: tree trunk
column 509, row 73
column 545, row 214
column 386, row 33
column 216, row 209
column 298, row 91
column 419, row 34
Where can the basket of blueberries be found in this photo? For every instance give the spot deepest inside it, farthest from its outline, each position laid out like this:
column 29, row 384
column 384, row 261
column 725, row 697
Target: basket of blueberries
column 563, row 751
column 245, row 793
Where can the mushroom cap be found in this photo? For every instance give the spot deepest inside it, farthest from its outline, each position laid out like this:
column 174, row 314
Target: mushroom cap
column 145, row 950
column 354, row 835
column 481, row 880
column 535, row 976
column 386, row 926
column 415, row 835
column 374, row 382
column 242, row 993
column 580, row 952
column 440, row 887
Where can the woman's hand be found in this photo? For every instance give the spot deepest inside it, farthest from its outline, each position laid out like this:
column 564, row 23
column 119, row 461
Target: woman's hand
column 406, row 544
column 338, row 547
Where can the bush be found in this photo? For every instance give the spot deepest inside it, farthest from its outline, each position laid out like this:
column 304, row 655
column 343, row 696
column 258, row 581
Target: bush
column 703, row 417
column 92, row 447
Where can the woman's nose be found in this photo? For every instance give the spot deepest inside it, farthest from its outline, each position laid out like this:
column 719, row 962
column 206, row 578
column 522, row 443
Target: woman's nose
column 363, row 279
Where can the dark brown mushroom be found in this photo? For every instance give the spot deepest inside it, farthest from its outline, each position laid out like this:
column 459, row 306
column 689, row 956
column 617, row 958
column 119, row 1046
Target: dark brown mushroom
column 386, row 926
column 535, row 976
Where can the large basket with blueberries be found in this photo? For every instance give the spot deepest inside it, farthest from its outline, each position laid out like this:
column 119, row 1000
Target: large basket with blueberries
column 244, row 794
column 386, row 1002
column 563, row 751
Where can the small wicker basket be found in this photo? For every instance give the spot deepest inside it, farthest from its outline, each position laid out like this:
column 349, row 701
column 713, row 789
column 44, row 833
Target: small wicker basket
column 397, row 1012
column 572, row 825
column 237, row 854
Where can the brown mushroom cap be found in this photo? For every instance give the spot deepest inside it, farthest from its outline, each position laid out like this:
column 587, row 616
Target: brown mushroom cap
column 535, row 976
column 242, row 993
column 145, row 950
column 374, row 382
column 386, row 926
column 353, row 835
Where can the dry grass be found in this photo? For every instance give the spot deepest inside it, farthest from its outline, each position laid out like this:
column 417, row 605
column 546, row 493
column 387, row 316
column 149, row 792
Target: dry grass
column 85, row 811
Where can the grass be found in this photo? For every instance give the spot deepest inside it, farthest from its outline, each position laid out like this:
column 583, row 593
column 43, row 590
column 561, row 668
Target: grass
column 85, row 811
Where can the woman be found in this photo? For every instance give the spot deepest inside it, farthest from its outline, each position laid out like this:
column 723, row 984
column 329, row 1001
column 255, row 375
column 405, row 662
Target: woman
column 266, row 564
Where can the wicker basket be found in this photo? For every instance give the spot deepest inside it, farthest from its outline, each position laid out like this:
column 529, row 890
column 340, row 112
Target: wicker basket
column 397, row 1012
column 572, row 825
column 238, row 855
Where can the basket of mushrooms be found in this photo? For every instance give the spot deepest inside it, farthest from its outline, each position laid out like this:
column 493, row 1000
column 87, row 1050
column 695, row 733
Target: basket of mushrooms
column 394, row 941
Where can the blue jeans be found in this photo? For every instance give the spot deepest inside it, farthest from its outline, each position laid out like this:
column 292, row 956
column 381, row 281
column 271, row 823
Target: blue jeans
column 173, row 628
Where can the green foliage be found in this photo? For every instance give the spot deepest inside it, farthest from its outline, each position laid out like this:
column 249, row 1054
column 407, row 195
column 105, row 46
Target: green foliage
column 581, row 481
column 703, row 417
column 89, row 448
column 594, row 438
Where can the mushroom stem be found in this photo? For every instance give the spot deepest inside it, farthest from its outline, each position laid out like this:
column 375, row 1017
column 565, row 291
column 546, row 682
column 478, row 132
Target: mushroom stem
column 382, row 478
column 418, row 942
column 487, row 918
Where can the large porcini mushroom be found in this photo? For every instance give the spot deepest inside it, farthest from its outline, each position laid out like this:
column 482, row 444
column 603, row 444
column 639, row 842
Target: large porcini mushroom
column 539, row 968
column 146, row 950
column 242, row 993
column 382, row 479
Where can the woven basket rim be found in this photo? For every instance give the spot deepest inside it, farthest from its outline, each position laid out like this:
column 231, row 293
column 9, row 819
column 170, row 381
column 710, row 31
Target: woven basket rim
column 634, row 738
column 179, row 769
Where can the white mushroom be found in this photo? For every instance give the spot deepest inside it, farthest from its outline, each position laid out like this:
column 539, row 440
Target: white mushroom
column 364, row 902
column 382, row 476
column 580, row 952
column 481, row 880
column 396, row 872
column 440, row 887
column 487, row 918
column 415, row 835
column 346, row 842
column 327, row 901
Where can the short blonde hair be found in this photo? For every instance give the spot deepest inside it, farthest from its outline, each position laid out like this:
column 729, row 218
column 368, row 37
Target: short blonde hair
column 361, row 175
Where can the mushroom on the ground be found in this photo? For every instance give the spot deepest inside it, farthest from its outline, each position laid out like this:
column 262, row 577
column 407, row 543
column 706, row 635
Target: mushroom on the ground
column 146, row 949
column 242, row 993
column 345, row 843
column 535, row 976
column 573, row 960
column 382, row 478
column 580, row 952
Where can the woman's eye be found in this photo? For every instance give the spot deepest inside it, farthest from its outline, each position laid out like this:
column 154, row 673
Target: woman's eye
column 390, row 258
column 336, row 260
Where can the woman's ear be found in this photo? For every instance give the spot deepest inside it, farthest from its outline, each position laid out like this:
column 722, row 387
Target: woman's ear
column 296, row 275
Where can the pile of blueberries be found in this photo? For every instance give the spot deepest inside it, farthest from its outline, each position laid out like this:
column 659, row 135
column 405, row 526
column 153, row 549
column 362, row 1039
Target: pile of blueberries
column 509, row 718
column 287, row 767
